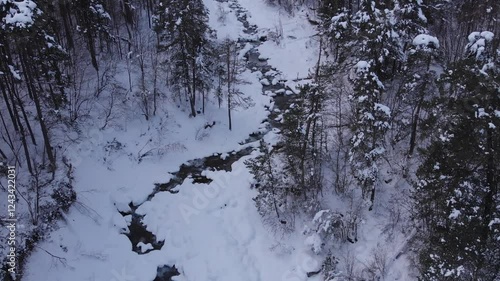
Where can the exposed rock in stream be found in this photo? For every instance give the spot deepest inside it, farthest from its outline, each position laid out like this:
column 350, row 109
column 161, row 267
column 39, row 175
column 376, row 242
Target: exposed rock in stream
column 139, row 234
column 165, row 273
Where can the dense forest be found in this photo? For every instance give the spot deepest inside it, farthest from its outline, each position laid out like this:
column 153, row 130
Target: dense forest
column 402, row 89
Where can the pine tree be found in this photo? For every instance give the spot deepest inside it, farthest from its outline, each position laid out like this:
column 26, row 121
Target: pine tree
column 377, row 38
column 369, row 126
column 31, row 58
column 303, row 137
column 418, row 86
column 183, row 33
column 330, row 8
column 457, row 192
column 368, row 33
column 93, row 24
column 412, row 18
column 337, row 27
column 273, row 185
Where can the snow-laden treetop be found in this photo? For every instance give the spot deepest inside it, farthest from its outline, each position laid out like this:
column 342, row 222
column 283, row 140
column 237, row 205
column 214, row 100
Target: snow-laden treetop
column 362, row 66
column 19, row 14
column 426, row 41
column 477, row 42
column 474, row 36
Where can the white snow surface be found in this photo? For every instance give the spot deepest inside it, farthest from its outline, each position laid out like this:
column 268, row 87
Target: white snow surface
column 295, row 53
column 227, row 28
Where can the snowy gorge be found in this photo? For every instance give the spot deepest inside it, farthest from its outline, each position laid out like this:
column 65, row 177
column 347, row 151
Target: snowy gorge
column 250, row 140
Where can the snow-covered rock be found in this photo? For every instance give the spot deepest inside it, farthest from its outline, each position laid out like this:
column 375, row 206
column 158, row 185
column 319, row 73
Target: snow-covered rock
column 265, row 82
column 144, row 247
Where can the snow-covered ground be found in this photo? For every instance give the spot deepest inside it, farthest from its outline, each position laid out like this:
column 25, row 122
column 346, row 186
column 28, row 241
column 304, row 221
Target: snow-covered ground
column 210, row 231
column 295, row 53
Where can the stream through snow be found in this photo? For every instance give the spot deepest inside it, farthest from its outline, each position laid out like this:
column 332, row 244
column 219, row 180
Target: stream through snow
column 144, row 241
column 134, row 222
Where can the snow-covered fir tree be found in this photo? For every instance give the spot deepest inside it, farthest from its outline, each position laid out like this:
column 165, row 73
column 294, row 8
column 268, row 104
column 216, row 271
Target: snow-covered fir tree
column 371, row 120
column 183, row 33
column 457, row 191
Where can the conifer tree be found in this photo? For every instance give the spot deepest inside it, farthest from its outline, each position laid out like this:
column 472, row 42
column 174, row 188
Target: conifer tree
column 418, row 87
column 457, row 192
column 183, row 33
column 31, row 64
column 369, row 126
column 93, row 24
column 302, row 137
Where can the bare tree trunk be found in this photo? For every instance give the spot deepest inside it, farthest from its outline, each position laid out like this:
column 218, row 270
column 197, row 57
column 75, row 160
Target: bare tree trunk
column 219, row 90
column 63, row 9
column 229, row 84
column 3, row 154
column 203, row 101
column 129, row 72
column 149, row 7
column 190, row 85
column 229, row 111
column 9, row 141
column 25, row 117
column 45, row 133
column 25, row 146
column 372, row 197
column 318, row 64
column 29, row 76
column 127, row 12
column 414, row 126
column 154, row 62
column 93, row 55
column 192, row 97
column 9, row 108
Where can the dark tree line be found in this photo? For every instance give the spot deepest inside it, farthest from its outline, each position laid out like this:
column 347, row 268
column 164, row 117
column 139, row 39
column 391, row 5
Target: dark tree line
column 46, row 45
column 419, row 80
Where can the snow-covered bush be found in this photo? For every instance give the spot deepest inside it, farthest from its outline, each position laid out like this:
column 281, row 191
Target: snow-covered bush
column 479, row 44
column 64, row 196
column 330, row 272
column 378, row 266
column 325, row 225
